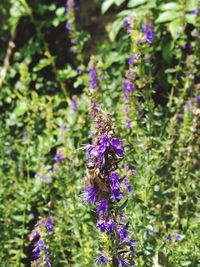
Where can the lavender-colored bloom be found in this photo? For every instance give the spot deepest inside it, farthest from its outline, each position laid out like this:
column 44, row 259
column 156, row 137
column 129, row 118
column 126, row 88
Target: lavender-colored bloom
column 101, row 224
column 148, row 32
column 168, row 239
column 121, row 262
column 70, row 4
column 183, row 46
column 48, row 225
column 94, row 80
column 117, row 145
column 129, row 124
column 197, row 98
column 139, row 42
column 59, row 156
column 123, row 234
column 35, row 234
column 103, row 259
column 127, row 24
column 194, row 12
column 110, row 225
column 122, row 217
column 79, row 70
column 195, row 33
column 91, row 194
column 127, row 87
column 150, row 232
column 131, row 244
column 47, row 258
column 127, row 185
column 178, row 237
column 115, row 186
column 74, row 103
column 68, row 26
column 39, row 245
column 132, row 60
column 103, row 144
column 102, row 207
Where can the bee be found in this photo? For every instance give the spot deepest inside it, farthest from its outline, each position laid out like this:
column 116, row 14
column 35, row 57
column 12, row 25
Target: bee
column 96, row 178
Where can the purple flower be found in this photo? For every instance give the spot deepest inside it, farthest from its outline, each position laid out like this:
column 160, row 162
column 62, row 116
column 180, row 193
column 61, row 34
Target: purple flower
column 132, row 60
column 94, row 80
column 168, row 238
column 91, row 194
column 121, row 262
column 47, row 258
column 70, row 4
column 110, row 225
column 74, row 103
column 115, row 186
column 127, row 185
column 102, row 207
column 68, row 26
column 127, row 87
column 48, row 225
column 131, row 244
column 103, row 144
column 127, row 24
column 103, row 259
column 59, row 156
column 39, row 245
column 123, row 234
column 194, row 12
column 122, row 217
column 101, row 224
column 148, row 32
column 197, row 98
column 117, row 145
column 178, row 237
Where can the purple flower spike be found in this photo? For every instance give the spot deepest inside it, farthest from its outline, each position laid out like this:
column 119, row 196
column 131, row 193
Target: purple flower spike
column 111, row 225
column 103, row 259
column 121, row 262
column 115, row 186
column 149, row 34
column 48, row 225
column 127, row 24
column 68, row 26
column 123, row 234
column 127, row 185
column 122, row 217
column 47, row 258
column 102, row 207
column 94, row 80
column 101, row 224
column 133, row 59
column 91, row 194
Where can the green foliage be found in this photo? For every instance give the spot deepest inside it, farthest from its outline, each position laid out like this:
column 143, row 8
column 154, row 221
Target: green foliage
column 37, row 119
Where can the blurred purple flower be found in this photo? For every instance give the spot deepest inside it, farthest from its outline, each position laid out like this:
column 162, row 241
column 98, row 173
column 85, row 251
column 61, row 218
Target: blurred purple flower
column 127, row 185
column 132, row 60
column 110, row 225
column 127, row 24
column 48, row 225
column 74, row 103
column 123, row 234
column 101, row 224
column 103, row 259
column 94, row 80
column 122, row 217
column 102, row 207
column 91, row 194
column 149, row 34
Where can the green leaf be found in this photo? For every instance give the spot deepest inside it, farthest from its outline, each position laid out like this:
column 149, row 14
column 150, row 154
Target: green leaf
column 191, row 19
column 21, row 108
column 175, row 28
column 167, row 51
column 170, row 6
column 106, row 5
column 60, row 11
column 167, row 16
column 116, row 27
column 135, row 3
column 44, row 62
